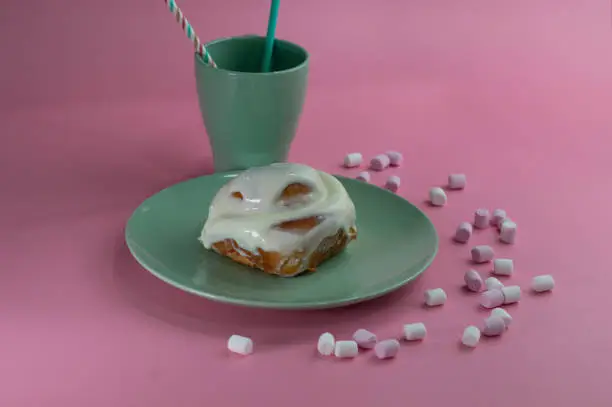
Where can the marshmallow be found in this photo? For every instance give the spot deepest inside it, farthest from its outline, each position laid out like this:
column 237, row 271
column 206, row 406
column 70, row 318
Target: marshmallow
column 503, row 314
column 482, row 254
column 435, row 297
column 353, row 160
column 540, row 284
column 473, row 281
column 386, row 349
column 493, row 326
column 346, row 349
column 481, row 218
column 415, row 331
column 326, row 344
column 493, row 283
column 501, row 223
column 463, row 232
column 380, row 162
column 364, row 176
column 395, row 158
column 498, row 216
column 471, row 336
column 503, row 267
column 437, row 196
column 393, row 183
column 240, row 344
column 511, row 294
column 507, row 233
column 456, row 181
column 492, row 298
column 365, row 338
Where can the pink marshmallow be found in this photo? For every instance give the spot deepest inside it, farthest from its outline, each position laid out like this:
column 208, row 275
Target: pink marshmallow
column 463, row 232
column 380, row 162
column 386, row 349
column 481, row 218
column 482, row 254
column 364, row 338
column 473, row 281
column 492, row 298
column 493, row 326
column 395, row 158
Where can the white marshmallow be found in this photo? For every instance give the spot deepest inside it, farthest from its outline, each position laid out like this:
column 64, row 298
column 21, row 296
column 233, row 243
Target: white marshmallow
column 471, row 336
column 493, row 283
column 353, row 160
column 380, row 162
column 365, row 338
column 386, row 349
column 456, row 181
column 493, row 326
column 543, row 283
column 240, row 344
column 326, row 344
column 437, row 196
column 511, row 293
column 393, row 183
column 346, row 349
column 435, row 297
column 501, row 223
column 507, row 233
column 364, row 176
column 473, row 281
column 503, row 314
column 492, row 298
column 498, row 216
column 503, row 267
column 482, row 254
column 395, row 158
column 415, row 331
column 463, row 232
column 481, row 218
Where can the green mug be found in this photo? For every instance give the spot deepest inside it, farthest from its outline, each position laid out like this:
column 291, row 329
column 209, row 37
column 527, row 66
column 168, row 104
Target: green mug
column 251, row 117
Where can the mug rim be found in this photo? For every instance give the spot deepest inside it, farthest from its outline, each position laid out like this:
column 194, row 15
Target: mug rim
column 228, row 71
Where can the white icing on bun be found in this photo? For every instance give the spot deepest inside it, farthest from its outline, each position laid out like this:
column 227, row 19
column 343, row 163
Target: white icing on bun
column 252, row 209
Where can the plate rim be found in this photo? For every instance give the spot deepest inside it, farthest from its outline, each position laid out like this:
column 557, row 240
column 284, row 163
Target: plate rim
column 132, row 245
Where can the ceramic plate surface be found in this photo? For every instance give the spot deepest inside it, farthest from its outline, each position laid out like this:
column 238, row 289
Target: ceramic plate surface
column 396, row 242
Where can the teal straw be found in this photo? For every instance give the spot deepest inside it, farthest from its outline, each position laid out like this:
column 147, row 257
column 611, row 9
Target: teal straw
column 267, row 58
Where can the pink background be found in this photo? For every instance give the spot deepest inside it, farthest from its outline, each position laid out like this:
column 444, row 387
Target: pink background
column 98, row 111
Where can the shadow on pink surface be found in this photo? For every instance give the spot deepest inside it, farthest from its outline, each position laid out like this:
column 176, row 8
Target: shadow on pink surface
column 271, row 327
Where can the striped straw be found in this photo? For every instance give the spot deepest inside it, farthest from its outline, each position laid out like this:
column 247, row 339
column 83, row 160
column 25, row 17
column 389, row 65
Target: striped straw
column 188, row 29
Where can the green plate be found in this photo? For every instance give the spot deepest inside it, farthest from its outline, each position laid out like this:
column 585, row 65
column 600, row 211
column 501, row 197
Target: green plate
column 396, row 242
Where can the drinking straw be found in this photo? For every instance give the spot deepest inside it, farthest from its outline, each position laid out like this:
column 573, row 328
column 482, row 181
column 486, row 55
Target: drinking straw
column 267, row 58
column 189, row 31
